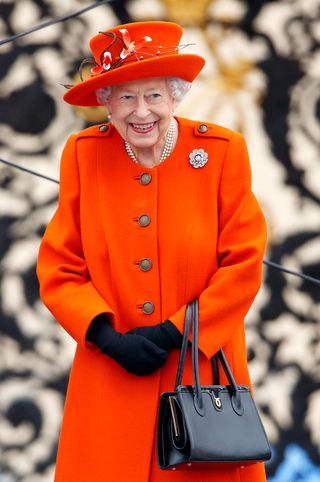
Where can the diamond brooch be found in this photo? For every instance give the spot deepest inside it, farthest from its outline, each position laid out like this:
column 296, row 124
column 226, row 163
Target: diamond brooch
column 198, row 158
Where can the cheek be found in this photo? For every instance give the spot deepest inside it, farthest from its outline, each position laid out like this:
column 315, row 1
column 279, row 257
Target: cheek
column 166, row 110
column 165, row 114
column 120, row 125
column 119, row 116
column 118, row 110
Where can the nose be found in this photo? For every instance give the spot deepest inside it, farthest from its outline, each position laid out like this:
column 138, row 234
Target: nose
column 142, row 108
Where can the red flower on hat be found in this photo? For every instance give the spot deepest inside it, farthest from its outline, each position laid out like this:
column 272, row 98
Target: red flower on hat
column 106, row 64
column 132, row 46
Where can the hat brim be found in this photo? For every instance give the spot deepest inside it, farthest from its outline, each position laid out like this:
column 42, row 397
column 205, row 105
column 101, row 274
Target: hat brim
column 186, row 66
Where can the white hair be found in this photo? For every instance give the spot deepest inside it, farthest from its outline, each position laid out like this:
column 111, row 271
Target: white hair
column 103, row 94
column 178, row 88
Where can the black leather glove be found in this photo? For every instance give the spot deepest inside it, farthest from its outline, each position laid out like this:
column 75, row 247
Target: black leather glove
column 134, row 353
column 165, row 335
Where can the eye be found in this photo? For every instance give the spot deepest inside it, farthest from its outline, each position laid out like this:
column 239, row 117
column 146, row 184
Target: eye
column 154, row 97
column 126, row 97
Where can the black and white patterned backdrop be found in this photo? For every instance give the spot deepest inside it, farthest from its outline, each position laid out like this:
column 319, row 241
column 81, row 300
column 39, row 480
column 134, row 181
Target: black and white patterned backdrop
column 262, row 78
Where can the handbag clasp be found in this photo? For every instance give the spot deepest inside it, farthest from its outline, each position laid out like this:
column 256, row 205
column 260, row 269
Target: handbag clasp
column 216, row 399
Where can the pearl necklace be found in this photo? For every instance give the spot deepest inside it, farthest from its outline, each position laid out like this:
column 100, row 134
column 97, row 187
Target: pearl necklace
column 167, row 147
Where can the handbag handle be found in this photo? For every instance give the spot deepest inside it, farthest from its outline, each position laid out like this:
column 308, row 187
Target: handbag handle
column 195, row 365
column 192, row 313
column 184, row 345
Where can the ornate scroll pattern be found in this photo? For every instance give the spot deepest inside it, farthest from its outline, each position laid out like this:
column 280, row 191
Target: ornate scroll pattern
column 261, row 78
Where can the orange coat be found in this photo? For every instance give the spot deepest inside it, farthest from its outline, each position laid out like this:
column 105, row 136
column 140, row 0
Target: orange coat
column 206, row 238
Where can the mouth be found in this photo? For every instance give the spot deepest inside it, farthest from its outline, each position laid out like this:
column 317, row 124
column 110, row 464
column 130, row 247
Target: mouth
column 142, row 128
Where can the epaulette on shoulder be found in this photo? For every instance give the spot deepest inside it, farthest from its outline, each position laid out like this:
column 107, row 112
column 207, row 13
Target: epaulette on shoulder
column 206, row 129
column 100, row 130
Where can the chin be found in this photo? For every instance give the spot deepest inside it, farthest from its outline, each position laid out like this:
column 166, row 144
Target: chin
column 142, row 144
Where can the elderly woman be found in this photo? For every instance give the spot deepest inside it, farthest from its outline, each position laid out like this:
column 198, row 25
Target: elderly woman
column 154, row 211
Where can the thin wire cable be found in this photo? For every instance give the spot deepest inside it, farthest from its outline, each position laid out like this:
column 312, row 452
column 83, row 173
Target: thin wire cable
column 30, row 171
column 62, row 18
column 289, row 271
column 265, row 261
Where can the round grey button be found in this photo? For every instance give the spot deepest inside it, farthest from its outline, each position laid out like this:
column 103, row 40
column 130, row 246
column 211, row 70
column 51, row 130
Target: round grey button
column 145, row 264
column 145, row 178
column 103, row 128
column 203, row 128
column 144, row 220
column 148, row 308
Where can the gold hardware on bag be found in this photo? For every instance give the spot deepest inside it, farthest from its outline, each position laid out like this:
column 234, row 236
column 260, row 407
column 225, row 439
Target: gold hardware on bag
column 174, row 418
column 217, row 401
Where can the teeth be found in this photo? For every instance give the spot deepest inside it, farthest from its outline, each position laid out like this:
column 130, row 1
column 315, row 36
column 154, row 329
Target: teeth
column 143, row 127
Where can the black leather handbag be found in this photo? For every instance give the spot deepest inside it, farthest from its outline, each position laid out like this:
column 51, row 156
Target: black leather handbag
column 208, row 427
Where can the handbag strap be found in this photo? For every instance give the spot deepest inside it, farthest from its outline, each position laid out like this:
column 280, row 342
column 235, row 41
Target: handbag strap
column 195, row 365
column 195, row 355
column 184, row 346
column 215, row 370
column 195, row 350
column 192, row 315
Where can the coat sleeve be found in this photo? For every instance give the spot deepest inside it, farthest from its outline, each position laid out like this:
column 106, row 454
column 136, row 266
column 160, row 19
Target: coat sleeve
column 231, row 290
column 65, row 285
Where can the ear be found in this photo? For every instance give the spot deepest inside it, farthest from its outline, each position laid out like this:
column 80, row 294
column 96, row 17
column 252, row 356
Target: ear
column 175, row 104
column 108, row 107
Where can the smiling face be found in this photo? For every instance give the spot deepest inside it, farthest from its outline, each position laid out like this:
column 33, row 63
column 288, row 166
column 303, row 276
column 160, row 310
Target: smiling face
column 142, row 111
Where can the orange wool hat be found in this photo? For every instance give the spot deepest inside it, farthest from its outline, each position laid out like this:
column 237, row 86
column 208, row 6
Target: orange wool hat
column 134, row 51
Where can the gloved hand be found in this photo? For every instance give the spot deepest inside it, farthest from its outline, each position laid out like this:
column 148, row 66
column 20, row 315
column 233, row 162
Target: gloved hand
column 134, row 353
column 165, row 335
